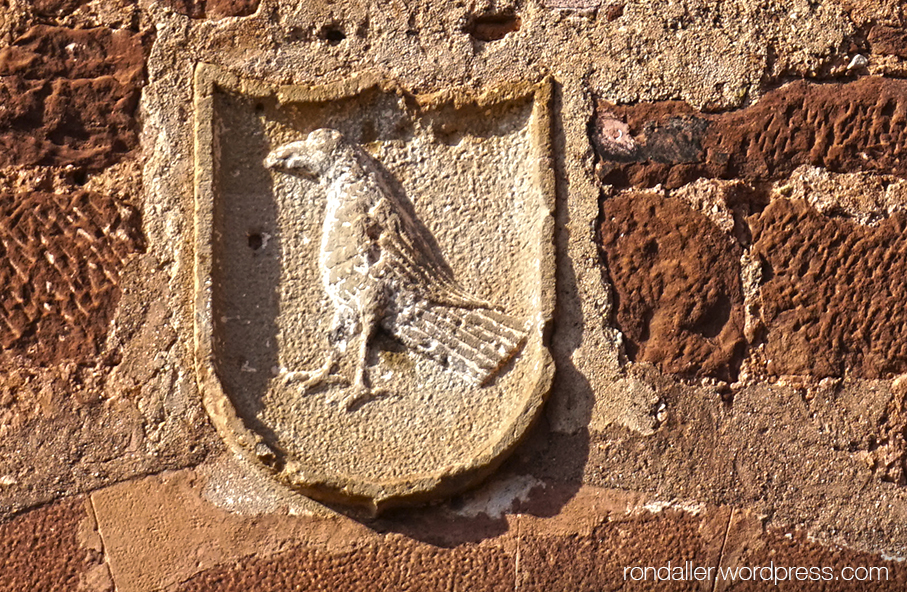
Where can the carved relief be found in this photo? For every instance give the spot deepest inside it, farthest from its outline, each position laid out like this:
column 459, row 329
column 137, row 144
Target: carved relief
column 381, row 269
column 374, row 278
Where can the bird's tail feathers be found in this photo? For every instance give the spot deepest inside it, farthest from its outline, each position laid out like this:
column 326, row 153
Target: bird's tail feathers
column 472, row 342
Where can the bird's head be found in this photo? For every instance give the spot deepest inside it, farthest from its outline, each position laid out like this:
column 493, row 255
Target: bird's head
column 312, row 157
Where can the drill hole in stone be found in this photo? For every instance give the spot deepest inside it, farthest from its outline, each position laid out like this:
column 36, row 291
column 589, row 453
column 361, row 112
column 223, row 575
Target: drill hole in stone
column 494, row 26
column 80, row 177
column 255, row 240
column 333, row 35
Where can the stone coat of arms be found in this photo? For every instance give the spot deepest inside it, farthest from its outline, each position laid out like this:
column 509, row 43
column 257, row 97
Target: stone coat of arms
column 374, row 280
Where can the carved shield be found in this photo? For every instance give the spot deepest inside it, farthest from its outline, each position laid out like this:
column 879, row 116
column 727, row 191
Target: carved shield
column 433, row 367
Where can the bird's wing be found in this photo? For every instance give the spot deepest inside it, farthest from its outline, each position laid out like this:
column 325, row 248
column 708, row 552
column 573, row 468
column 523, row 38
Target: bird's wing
column 412, row 255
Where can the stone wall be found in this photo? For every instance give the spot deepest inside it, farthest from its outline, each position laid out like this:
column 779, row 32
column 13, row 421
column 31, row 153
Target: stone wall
column 688, row 217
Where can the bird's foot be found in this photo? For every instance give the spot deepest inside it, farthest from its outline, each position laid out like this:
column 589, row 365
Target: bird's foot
column 312, row 378
column 356, row 396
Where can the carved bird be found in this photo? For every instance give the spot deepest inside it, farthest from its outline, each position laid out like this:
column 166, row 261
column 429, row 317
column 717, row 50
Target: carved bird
column 382, row 271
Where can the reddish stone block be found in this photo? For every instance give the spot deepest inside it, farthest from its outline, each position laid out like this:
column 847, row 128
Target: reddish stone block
column 42, row 550
column 833, row 292
column 398, row 564
column 676, row 278
column 844, row 127
column 70, row 97
column 60, row 257
column 888, row 41
column 605, row 559
column 823, row 568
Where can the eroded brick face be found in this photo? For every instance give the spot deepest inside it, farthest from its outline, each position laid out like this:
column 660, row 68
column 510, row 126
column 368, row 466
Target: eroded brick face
column 855, row 126
column 60, row 257
column 676, row 278
column 889, row 41
column 214, row 8
column 40, row 550
column 70, row 97
column 392, row 565
column 833, row 292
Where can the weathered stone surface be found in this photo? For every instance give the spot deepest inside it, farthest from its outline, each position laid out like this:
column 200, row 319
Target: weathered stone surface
column 53, row 548
column 832, row 292
column 676, row 279
column 55, row 8
column 602, row 559
column 60, row 258
column 213, row 8
column 888, row 40
column 70, row 97
column 855, row 126
column 394, row 564
column 807, row 566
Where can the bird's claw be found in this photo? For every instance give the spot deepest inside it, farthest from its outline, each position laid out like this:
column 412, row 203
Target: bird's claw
column 314, row 381
column 312, row 378
column 355, row 397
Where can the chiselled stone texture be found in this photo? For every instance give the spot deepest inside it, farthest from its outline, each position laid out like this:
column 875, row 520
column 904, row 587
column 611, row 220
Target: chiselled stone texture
column 54, row 8
column 856, row 126
column 597, row 561
column 839, row 568
column 676, row 277
column 213, row 8
column 40, row 550
column 888, row 41
column 60, row 256
column 70, row 97
column 833, row 292
column 397, row 565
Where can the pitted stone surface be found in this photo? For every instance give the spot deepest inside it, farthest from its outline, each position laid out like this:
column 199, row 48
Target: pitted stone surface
column 854, row 126
column 396, row 564
column 213, row 8
column 832, row 292
column 60, row 258
column 52, row 549
column 889, row 40
column 70, row 96
column 676, row 279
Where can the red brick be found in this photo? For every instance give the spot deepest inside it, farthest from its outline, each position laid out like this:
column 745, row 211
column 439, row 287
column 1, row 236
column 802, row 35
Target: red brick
column 676, row 278
column 70, row 97
column 40, row 550
column 854, row 126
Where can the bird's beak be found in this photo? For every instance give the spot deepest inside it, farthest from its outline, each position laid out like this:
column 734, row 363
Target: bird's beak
column 289, row 164
column 272, row 161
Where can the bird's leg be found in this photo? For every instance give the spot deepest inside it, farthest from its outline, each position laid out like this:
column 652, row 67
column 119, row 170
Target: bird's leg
column 370, row 304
